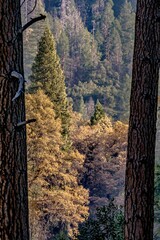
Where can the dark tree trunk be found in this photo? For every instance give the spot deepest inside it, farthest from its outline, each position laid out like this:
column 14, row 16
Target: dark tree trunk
column 13, row 163
column 139, row 186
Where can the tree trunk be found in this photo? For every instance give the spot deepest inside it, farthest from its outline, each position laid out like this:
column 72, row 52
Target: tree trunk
column 13, row 162
column 139, row 186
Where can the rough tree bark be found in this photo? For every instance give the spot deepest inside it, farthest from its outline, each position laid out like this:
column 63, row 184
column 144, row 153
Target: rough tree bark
column 13, row 163
column 139, row 186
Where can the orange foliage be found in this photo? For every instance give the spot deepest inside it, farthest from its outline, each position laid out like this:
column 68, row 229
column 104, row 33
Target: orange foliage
column 104, row 146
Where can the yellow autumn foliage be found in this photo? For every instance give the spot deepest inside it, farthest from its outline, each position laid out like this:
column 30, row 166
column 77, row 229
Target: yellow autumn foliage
column 56, row 198
column 104, row 147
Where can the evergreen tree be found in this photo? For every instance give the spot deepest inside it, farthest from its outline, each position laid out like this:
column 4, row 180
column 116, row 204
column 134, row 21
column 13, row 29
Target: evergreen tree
column 62, row 236
column 108, row 224
column 13, row 155
column 32, row 34
column 63, row 46
column 80, row 105
column 47, row 74
column 139, row 185
column 126, row 20
column 98, row 113
column 122, row 98
column 117, row 6
column 106, row 26
column 133, row 2
column 95, row 63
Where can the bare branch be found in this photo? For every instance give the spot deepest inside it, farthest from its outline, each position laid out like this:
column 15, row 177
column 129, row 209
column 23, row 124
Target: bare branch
column 21, row 82
column 33, row 20
column 22, row 3
column 35, row 4
column 27, row 25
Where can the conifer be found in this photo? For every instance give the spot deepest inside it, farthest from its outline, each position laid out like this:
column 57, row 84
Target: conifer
column 47, row 74
column 126, row 20
column 98, row 113
column 32, row 34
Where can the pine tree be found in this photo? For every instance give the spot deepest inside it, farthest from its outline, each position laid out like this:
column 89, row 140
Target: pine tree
column 47, row 74
column 80, row 105
column 13, row 155
column 122, row 98
column 98, row 113
column 117, row 6
column 32, row 34
column 108, row 224
column 140, row 164
column 106, row 26
column 126, row 20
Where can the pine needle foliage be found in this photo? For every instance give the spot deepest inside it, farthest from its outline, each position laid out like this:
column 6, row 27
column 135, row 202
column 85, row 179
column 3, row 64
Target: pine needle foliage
column 47, row 75
column 99, row 113
column 108, row 224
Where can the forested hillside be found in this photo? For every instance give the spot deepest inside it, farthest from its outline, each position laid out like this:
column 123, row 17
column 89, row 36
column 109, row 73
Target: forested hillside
column 94, row 41
column 78, row 66
column 79, row 142
column 76, row 152
column 98, row 44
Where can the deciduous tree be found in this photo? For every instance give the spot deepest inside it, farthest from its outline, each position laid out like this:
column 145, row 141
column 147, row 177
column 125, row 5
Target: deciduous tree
column 57, row 200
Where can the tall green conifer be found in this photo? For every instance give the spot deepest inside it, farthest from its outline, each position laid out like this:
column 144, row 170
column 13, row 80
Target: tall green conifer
column 126, row 21
column 47, row 74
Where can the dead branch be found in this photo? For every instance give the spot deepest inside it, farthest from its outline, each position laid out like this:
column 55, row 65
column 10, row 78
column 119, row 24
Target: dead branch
column 33, row 20
column 35, row 4
column 20, row 124
column 21, row 82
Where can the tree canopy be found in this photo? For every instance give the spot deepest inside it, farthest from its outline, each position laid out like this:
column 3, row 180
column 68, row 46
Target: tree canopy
column 47, row 74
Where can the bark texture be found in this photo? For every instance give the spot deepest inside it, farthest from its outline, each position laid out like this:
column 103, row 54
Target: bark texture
column 13, row 163
column 139, row 186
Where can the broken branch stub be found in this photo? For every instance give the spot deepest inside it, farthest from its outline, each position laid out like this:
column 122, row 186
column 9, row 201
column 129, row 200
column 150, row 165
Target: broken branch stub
column 21, row 82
